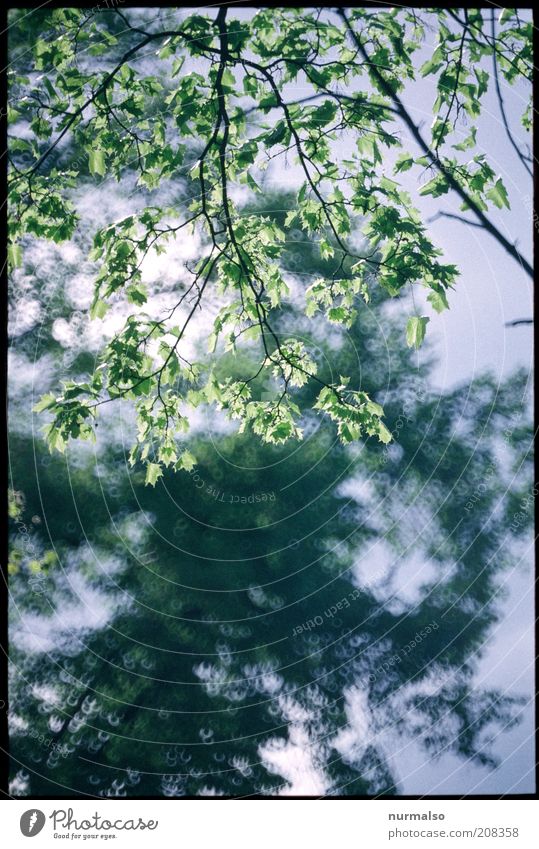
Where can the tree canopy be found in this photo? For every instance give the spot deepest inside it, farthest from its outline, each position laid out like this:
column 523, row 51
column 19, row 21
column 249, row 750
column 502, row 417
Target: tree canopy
column 221, row 109
column 205, row 637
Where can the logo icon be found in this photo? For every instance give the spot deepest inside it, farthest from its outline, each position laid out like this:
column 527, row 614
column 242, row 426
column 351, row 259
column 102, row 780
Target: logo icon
column 32, row 822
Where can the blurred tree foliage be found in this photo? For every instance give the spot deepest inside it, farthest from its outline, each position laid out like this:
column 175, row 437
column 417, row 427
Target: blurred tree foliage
column 190, row 632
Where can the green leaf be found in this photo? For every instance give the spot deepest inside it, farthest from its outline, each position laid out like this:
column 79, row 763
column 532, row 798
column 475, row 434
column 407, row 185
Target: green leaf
column 469, row 142
column 415, row 330
column 55, row 440
column 186, row 461
column 338, row 314
column 384, row 434
column 14, row 255
column 498, row 195
column 436, row 187
column 98, row 309
column 404, row 162
column 153, row 473
column 44, row 403
column 228, row 79
column 96, row 162
column 277, row 134
column 251, row 182
column 177, row 65
column 143, row 388
column 438, row 299
column 136, row 295
column 433, row 64
column 212, row 342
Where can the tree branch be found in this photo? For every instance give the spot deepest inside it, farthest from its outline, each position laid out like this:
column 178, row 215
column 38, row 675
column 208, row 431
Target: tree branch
column 518, row 321
column 99, row 90
column 508, row 132
column 404, row 115
column 455, row 217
